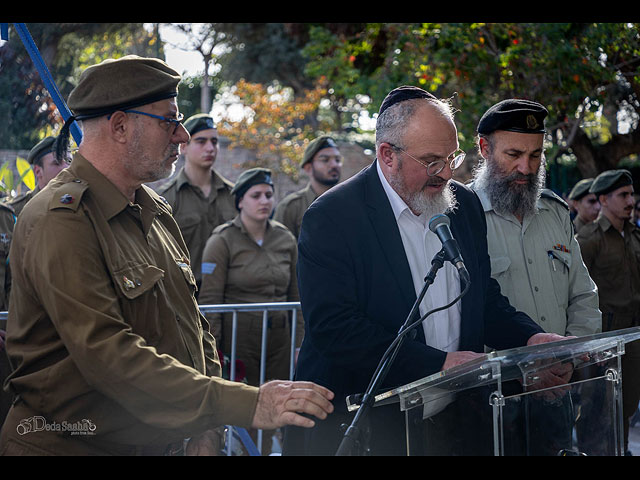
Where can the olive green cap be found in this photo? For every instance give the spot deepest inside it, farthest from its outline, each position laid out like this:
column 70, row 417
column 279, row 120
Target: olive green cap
column 249, row 178
column 580, row 189
column 41, row 149
column 200, row 121
column 325, row 141
column 120, row 84
column 611, row 180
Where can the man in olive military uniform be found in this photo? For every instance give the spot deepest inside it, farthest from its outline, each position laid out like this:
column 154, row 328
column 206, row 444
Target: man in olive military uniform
column 7, row 222
column 323, row 163
column 46, row 165
column 199, row 196
column 585, row 203
column 611, row 251
column 110, row 352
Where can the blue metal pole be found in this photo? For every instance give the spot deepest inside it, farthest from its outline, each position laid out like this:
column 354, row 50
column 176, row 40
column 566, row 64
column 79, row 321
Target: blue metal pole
column 49, row 83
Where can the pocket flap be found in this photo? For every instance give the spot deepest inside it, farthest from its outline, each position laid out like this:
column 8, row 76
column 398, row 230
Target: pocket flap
column 499, row 265
column 136, row 280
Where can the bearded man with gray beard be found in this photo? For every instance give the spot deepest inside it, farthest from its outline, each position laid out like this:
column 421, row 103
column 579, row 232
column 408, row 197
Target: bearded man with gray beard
column 365, row 248
column 534, row 254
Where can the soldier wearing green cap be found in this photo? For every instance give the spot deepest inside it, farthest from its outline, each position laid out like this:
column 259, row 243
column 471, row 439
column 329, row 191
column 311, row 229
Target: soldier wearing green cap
column 585, row 203
column 611, row 250
column 252, row 259
column 323, row 164
column 104, row 331
column 199, row 196
column 46, row 165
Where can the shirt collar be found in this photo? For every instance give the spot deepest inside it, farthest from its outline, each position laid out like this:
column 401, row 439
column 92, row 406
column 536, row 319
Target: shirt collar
column 106, row 194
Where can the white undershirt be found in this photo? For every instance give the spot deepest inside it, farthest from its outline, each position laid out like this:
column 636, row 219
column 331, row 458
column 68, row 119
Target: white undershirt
column 441, row 329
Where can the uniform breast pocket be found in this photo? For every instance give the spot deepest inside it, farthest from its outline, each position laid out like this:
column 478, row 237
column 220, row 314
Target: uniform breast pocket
column 189, row 225
column 560, row 265
column 500, row 266
column 136, row 287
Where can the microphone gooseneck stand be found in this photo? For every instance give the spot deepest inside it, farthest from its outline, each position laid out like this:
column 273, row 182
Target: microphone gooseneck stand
column 353, row 436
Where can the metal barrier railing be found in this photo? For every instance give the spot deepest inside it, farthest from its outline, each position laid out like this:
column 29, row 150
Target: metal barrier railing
column 234, row 309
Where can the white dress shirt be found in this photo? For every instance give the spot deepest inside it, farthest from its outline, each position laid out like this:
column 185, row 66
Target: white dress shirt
column 441, row 329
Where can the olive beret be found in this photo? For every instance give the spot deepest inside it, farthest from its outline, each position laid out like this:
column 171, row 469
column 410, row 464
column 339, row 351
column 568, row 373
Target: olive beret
column 200, row 121
column 611, row 180
column 400, row 94
column 580, row 189
column 119, row 84
column 249, row 178
column 514, row 115
column 41, row 149
column 315, row 146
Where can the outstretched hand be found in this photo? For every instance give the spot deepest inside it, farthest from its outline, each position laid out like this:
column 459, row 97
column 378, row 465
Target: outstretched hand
column 282, row 403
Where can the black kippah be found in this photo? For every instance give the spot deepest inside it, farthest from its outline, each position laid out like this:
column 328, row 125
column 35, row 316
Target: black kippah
column 400, row 94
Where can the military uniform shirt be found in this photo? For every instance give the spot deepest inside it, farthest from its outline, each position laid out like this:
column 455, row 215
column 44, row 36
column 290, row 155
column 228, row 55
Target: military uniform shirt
column 291, row 208
column 18, row 203
column 578, row 223
column 614, row 263
column 238, row 270
column 540, row 269
column 103, row 322
column 196, row 214
column 7, row 222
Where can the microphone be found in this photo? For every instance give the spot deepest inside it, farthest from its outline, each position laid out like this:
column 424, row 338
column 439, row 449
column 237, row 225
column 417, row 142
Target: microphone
column 439, row 224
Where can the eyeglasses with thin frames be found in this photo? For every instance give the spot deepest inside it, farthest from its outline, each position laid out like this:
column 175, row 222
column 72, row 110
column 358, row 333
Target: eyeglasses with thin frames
column 434, row 168
column 175, row 121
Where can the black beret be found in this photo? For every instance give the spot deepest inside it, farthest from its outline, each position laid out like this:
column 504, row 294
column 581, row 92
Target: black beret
column 315, row 146
column 120, row 84
column 41, row 149
column 611, row 180
column 580, row 189
column 249, row 178
column 514, row 115
column 198, row 122
column 400, row 94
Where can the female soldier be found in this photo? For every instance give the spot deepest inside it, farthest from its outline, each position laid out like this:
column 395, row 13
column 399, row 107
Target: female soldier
column 252, row 259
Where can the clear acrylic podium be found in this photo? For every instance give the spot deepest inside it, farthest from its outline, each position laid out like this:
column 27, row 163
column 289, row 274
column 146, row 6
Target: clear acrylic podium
column 507, row 404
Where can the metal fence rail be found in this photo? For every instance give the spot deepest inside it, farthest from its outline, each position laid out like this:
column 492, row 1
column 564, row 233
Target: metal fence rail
column 234, row 309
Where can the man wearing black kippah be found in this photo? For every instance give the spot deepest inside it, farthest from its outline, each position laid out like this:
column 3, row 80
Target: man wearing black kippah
column 365, row 248
column 611, row 250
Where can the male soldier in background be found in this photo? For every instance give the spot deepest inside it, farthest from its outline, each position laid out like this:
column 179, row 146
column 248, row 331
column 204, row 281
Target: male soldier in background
column 611, row 250
column 323, row 163
column 110, row 352
column 199, row 196
column 534, row 255
column 46, row 165
column 585, row 203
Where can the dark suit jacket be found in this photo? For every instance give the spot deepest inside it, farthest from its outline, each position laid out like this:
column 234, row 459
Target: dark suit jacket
column 356, row 290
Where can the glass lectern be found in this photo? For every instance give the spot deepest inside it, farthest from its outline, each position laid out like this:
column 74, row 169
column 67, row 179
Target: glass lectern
column 561, row 398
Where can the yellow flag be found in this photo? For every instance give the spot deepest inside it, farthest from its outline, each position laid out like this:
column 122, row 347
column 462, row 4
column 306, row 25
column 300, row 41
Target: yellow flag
column 26, row 173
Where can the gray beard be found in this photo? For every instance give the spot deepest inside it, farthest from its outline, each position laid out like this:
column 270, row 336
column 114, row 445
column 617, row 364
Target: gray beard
column 508, row 197
column 420, row 202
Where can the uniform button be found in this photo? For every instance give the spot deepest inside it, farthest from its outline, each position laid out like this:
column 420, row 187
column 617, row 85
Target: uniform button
column 535, row 288
column 529, row 260
column 542, row 318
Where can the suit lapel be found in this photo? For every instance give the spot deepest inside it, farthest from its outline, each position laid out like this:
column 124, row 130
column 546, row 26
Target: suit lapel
column 386, row 231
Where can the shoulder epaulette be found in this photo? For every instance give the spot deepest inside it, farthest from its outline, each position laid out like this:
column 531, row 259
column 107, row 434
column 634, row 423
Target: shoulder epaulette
column 551, row 195
column 68, row 195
